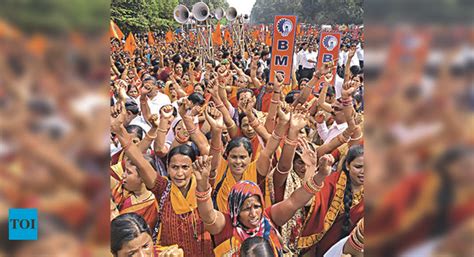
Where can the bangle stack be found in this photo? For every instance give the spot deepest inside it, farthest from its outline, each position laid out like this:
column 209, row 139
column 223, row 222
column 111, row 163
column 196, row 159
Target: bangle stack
column 311, row 187
column 150, row 137
column 274, row 101
column 162, row 130
column 355, row 242
column 276, row 137
column 204, row 196
column 291, row 142
column 216, row 148
column 192, row 131
column 346, row 101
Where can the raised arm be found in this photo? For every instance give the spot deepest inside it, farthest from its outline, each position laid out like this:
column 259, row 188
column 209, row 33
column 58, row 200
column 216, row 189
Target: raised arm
column 214, row 220
column 285, row 164
column 314, row 181
column 194, row 132
column 229, row 122
column 276, row 98
column 216, row 122
column 246, row 107
column 145, row 170
column 253, row 71
column 322, row 98
column 265, row 158
column 166, row 117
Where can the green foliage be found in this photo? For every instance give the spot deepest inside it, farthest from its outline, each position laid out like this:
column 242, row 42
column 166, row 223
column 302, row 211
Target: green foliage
column 145, row 15
column 309, row 11
column 57, row 16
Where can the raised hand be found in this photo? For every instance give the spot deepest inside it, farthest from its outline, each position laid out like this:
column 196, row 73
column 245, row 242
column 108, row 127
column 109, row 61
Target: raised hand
column 166, row 113
column 348, row 88
column 183, row 106
column 214, row 117
column 308, row 155
column 298, row 118
column 284, row 112
column 117, row 113
column 246, row 106
column 325, row 164
column 154, row 120
column 212, row 88
column 326, row 68
column 202, row 169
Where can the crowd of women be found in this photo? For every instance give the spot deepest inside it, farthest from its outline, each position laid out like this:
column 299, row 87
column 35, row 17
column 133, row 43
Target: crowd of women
column 213, row 159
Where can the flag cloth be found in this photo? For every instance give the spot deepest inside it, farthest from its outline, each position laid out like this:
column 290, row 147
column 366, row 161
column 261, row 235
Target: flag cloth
column 151, row 39
column 130, row 44
column 268, row 39
column 216, row 35
column 228, row 38
column 114, row 31
column 169, row 36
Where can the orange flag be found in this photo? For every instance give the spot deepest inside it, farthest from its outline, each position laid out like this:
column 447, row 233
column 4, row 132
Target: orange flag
column 268, row 39
column 169, row 36
column 151, row 39
column 255, row 34
column 130, row 44
column 298, row 29
column 192, row 37
column 228, row 38
column 37, row 45
column 216, row 35
column 114, row 31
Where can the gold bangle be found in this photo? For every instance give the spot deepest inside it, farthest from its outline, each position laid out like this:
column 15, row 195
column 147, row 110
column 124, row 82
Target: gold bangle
column 150, row 137
column 163, row 130
column 354, row 139
column 281, row 172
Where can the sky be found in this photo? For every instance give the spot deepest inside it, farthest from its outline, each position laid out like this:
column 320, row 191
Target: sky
column 242, row 6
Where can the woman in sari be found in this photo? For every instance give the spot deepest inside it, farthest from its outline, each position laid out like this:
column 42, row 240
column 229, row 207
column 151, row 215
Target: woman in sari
column 246, row 216
column 337, row 208
column 178, row 220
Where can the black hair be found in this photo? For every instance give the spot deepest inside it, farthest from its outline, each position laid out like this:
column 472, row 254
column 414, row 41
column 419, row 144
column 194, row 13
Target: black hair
column 256, row 247
column 355, row 70
column 124, row 228
column 243, row 90
column 241, row 117
column 135, row 129
column 197, row 98
column 237, row 142
column 290, row 97
column 150, row 78
column 353, row 152
column 445, row 195
column 132, row 106
column 176, row 58
column 183, row 150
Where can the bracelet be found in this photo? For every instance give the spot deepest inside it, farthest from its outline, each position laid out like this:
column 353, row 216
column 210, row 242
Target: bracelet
column 275, row 136
column 204, row 196
column 213, row 221
column 274, row 101
column 291, row 142
column 216, row 148
column 354, row 139
column 346, row 102
column 281, row 172
column 233, row 125
column 308, row 189
column 355, row 245
column 192, row 131
column 162, row 130
column 356, row 240
column 219, row 105
column 215, row 176
column 314, row 186
column 150, row 137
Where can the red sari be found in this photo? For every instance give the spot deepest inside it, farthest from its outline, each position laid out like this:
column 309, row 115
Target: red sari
column 324, row 222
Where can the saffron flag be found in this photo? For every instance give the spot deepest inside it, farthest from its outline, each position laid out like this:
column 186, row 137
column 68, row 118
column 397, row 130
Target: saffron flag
column 114, row 31
column 151, row 39
column 130, row 44
column 169, row 36
column 284, row 30
column 268, row 39
column 228, row 38
column 216, row 35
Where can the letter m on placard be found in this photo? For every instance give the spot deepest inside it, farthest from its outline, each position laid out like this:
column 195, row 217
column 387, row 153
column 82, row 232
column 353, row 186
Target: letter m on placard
column 281, row 60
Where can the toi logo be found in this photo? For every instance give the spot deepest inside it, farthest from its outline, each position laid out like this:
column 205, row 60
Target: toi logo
column 23, row 224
